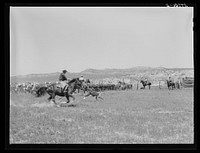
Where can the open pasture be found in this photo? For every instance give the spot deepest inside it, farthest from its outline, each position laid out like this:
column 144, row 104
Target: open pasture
column 124, row 117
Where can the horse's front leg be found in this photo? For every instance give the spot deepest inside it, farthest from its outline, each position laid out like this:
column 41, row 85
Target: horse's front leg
column 53, row 97
column 67, row 96
column 70, row 95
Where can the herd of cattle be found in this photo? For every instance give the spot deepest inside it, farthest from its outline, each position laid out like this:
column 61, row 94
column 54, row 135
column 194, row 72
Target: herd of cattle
column 32, row 87
column 26, row 87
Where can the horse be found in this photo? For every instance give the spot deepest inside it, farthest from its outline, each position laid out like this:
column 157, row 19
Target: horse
column 55, row 90
column 170, row 84
column 145, row 83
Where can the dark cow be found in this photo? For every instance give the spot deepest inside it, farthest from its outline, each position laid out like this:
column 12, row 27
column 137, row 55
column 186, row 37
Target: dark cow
column 145, row 83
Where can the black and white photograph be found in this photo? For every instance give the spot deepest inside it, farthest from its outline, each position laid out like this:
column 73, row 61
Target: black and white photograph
column 101, row 75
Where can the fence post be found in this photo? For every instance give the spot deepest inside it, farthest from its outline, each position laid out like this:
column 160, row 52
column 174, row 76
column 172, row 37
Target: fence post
column 159, row 85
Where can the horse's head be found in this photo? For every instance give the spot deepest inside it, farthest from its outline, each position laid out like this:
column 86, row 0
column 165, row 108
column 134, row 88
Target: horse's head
column 75, row 83
column 79, row 83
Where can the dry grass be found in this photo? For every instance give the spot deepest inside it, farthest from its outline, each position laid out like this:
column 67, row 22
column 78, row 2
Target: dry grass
column 131, row 117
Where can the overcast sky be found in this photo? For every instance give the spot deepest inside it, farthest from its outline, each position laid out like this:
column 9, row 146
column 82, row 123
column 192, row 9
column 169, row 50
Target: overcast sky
column 50, row 39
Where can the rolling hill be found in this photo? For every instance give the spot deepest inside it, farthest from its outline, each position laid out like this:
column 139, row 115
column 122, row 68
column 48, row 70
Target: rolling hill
column 96, row 74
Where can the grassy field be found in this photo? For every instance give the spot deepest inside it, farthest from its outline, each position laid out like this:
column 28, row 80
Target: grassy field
column 124, row 117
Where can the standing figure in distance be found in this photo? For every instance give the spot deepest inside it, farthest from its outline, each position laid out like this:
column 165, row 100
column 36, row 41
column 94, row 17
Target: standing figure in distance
column 82, row 78
column 170, row 80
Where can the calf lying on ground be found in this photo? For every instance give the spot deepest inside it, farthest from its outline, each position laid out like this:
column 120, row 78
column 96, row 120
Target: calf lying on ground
column 93, row 93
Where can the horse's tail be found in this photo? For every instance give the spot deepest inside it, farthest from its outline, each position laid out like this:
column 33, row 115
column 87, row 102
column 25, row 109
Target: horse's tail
column 41, row 91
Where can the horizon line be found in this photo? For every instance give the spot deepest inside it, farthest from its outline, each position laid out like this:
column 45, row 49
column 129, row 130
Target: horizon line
column 102, row 69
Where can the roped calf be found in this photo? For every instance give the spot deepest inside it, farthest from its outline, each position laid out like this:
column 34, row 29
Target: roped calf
column 93, row 93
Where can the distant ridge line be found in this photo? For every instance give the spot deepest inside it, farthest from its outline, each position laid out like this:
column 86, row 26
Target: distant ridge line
column 106, row 70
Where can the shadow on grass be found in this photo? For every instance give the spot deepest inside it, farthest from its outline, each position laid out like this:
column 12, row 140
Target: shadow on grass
column 67, row 105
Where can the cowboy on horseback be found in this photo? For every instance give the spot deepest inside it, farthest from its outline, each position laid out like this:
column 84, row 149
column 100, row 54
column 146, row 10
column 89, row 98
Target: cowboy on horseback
column 82, row 78
column 63, row 81
column 145, row 80
column 170, row 83
column 170, row 80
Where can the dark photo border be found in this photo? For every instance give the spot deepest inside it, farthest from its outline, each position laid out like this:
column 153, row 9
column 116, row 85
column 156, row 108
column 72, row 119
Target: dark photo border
column 6, row 89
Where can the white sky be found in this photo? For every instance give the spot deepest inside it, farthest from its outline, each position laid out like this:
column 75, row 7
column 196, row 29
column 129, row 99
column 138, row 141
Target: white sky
column 50, row 39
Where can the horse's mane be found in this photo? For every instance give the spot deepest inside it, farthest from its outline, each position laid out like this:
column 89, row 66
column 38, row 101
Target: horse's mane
column 73, row 80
